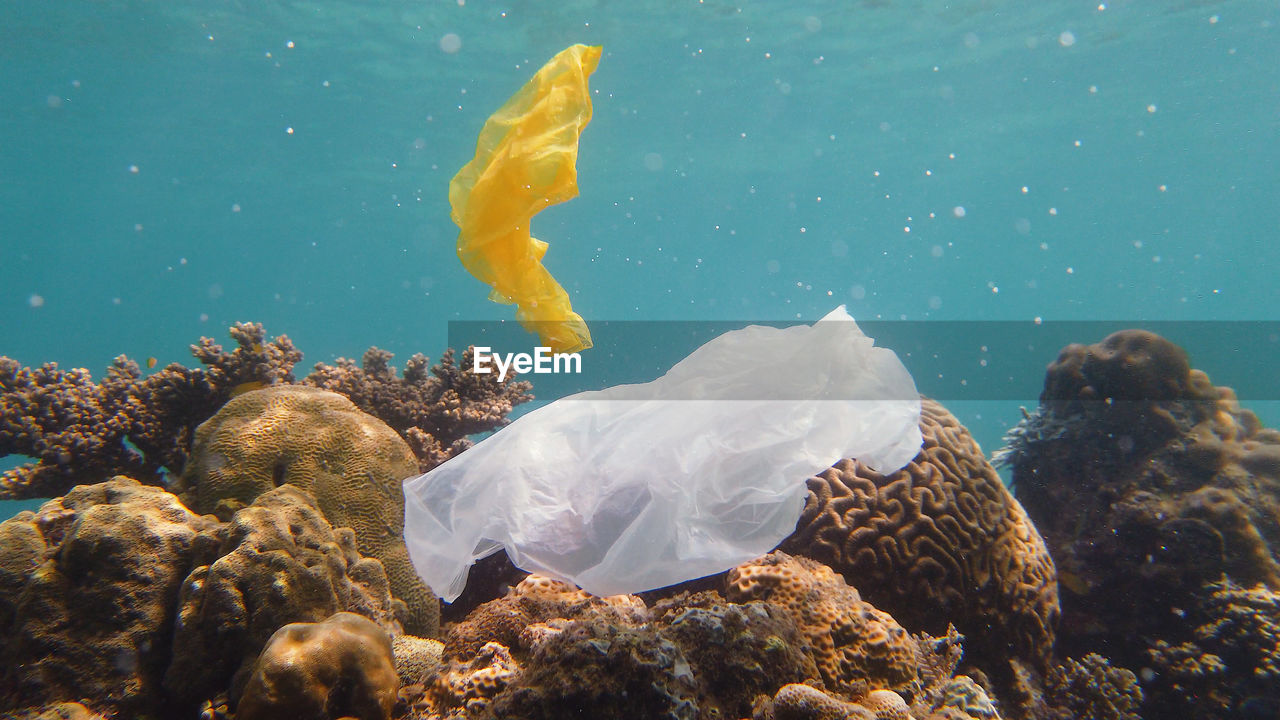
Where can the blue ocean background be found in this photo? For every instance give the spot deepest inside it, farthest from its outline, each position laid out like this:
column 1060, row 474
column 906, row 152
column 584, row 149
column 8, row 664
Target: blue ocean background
column 167, row 169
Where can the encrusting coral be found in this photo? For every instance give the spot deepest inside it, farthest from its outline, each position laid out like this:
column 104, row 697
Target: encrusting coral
column 1092, row 688
column 939, row 541
column 318, row 441
column 79, row 431
column 549, row 650
column 339, row 667
column 1229, row 666
column 854, row 644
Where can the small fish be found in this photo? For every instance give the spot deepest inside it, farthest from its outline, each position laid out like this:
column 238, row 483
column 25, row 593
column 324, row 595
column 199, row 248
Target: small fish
column 245, row 387
column 151, row 362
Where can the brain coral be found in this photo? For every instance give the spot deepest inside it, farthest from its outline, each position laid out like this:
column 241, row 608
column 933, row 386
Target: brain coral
column 319, row 441
column 941, row 540
column 1148, row 482
column 340, row 667
column 855, row 645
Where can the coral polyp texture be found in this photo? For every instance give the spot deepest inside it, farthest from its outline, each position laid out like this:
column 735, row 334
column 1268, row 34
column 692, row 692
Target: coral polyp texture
column 75, row 430
column 433, row 408
column 854, row 644
column 119, row 597
column 939, row 541
column 339, row 667
column 319, row 441
column 1147, row 482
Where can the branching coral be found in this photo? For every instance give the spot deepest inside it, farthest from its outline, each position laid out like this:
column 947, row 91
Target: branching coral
column 433, row 408
column 79, row 431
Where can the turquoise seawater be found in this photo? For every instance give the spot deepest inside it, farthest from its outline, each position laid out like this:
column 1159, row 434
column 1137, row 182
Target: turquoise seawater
column 169, row 168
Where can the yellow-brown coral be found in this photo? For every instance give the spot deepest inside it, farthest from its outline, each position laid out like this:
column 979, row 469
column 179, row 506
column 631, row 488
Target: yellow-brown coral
column 319, row 441
column 941, row 540
column 314, row 671
column 855, row 645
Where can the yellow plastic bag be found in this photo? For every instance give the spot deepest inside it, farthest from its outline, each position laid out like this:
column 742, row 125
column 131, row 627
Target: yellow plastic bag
column 526, row 160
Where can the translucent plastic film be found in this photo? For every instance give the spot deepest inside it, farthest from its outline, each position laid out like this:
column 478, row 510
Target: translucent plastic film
column 642, row 486
column 526, row 161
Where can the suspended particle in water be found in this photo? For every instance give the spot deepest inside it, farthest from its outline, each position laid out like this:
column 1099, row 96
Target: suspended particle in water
column 958, row 211
column 450, row 43
column 35, row 300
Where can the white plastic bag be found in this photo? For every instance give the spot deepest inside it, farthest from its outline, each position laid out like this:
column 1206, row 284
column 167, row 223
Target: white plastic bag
column 637, row 487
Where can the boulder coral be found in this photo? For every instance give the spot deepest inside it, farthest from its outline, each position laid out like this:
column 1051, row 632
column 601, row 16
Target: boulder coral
column 319, row 441
column 337, row 668
column 277, row 561
column 939, row 541
column 88, row 589
column 1147, row 482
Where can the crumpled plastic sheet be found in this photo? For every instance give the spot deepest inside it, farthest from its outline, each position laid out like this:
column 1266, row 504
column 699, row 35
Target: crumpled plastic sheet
column 637, row 487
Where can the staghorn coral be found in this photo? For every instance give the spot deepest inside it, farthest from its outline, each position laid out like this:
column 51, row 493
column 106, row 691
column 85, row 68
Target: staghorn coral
column 1147, row 482
column 339, row 667
column 433, row 408
column 89, row 598
column 319, row 441
column 941, row 540
column 855, row 645
column 278, row 561
column 79, row 431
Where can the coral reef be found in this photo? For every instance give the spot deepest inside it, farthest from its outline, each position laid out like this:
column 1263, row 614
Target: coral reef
column 1229, row 667
column 415, row 657
column 90, row 585
column 939, row 541
column 855, row 645
column 1147, row 482
column 1092, row 688
column 277, row 562
column 548, row 650
column 79, row 431
column 318, row 441
column 433, row 408
column 339, row 667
